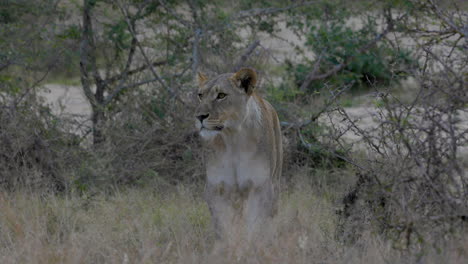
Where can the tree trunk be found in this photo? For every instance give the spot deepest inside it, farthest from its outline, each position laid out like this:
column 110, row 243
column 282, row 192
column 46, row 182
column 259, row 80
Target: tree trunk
column 99, row 117
column 90, row 74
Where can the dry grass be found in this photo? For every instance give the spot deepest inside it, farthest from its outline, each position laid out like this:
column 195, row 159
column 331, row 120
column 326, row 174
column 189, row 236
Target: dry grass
column 145, row 226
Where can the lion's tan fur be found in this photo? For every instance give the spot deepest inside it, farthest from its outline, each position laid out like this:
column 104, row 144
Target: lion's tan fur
column 243, row 153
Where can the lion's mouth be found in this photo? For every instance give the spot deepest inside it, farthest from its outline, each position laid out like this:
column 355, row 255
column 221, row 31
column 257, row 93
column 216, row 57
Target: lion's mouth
column 215, row 128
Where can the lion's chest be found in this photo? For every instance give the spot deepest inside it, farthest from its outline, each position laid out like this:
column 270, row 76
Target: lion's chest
column 238, row 170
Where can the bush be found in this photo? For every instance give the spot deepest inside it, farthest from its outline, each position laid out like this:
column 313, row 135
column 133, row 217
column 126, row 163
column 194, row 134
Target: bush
column 333, row 42
column 35, row 151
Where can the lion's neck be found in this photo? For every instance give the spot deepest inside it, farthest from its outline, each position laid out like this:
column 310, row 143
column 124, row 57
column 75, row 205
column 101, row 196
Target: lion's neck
column 246, row 136
column 253, row 116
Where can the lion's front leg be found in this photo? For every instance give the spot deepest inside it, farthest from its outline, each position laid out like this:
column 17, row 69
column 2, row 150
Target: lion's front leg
column 222, row 209
column 258, row 211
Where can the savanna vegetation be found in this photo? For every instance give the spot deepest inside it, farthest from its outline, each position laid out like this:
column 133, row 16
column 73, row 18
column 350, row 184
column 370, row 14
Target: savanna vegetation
column 372, row 98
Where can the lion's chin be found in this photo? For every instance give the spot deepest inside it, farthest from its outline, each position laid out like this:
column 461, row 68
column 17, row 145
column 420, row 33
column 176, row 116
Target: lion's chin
column 208, row 134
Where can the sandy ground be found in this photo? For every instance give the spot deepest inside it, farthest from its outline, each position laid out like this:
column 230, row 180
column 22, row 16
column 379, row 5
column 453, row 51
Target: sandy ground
column 65, row 99
column 69, row 102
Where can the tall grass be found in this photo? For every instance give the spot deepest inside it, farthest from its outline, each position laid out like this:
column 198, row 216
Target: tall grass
column 142, row 225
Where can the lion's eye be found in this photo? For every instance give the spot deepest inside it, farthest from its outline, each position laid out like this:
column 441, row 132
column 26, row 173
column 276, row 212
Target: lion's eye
column 221, row 96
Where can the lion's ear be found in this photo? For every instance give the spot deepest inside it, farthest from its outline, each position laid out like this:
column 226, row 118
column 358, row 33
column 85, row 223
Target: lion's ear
column 202, row 78
column 246, row 79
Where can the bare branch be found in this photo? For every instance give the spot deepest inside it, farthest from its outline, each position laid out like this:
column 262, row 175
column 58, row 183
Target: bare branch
column 248, row 52
column 124, row 74
column 447, row 68
column 462, row 31
column 268, row 11
column 143, row 53
column 28, row 90
column 131, row 53
column 313, row 74
column 120, row 89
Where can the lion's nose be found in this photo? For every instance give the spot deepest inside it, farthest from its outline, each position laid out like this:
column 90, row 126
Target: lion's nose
column 203, row 117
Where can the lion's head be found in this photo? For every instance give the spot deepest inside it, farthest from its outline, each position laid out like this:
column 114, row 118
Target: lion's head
column 223, row 101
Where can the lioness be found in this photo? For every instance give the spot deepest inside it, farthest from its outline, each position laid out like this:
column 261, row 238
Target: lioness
column 243, row 152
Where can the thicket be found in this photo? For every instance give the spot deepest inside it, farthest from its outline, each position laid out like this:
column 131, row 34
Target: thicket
column 136, row 60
